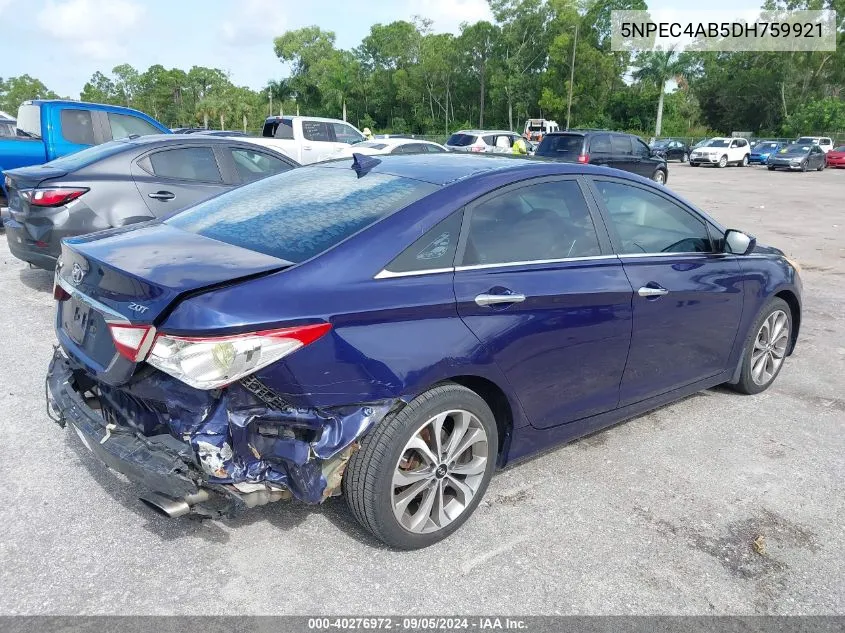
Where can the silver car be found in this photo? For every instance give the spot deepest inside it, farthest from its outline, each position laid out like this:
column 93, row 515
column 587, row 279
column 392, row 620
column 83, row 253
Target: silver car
column 482, row 141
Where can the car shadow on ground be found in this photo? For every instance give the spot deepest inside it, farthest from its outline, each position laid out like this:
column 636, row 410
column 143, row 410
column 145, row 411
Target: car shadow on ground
column 37, row 279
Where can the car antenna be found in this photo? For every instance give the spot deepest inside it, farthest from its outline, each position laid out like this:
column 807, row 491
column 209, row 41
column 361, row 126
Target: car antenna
column 362, row 164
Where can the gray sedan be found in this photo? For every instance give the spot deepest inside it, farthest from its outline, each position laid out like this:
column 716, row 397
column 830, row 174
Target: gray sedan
column 122, row 182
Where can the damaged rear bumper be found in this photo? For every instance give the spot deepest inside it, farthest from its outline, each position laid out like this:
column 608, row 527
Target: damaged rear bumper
column 220, row 451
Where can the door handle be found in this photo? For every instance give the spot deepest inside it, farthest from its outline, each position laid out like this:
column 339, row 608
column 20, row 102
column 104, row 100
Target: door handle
column 306, row 147
column 490, row 300
column 649, row 291
column 162, row 195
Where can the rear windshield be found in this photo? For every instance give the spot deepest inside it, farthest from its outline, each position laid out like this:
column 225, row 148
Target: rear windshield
column 806, row 140
column 561, row 144
column 302, row 212
column 29, row 120
column 764, row 146
column 78, row 160
column 461, row 140
column 371, row 145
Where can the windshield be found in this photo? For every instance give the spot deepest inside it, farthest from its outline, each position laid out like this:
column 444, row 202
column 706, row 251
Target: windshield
column 660, row 143
column 561, row 144
column 765, row 146
column 795, row 149
column 78, row 160
column 372, row 145
column 806, row 140
column 300, row 213
column 841, row 148
column 461, row 140
column 718, row 143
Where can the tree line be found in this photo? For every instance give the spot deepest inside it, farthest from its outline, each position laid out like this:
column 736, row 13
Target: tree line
column 405, row 78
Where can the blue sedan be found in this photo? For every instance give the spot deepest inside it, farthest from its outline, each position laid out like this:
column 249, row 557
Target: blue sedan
column 762, row 150
column 393, row 329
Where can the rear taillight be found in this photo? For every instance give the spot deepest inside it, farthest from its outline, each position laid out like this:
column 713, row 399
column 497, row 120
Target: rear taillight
column 132, row 341
column 216, row 361
column 583, row 158
column 476, row 148
column 53, row 197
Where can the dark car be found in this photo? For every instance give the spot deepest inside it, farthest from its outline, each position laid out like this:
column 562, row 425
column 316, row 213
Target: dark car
column 798, row 157
column 187, row 130
column 393, row 329
column 222, row 133
column 611, row 149
column 671, row 149
column 123, row 182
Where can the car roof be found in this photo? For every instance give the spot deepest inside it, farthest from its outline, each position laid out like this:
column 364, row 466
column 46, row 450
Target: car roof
column 481, row 132
column 86, row 105
column 395, row 141
column 445, row 168
column 310, row 118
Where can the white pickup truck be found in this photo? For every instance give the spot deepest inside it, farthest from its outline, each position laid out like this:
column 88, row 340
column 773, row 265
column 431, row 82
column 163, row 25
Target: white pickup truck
column 306, row 139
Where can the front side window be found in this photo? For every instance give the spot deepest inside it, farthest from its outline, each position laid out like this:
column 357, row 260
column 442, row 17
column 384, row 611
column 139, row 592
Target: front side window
column 77, row 126
column 316, row 131
column 621, row 145
column 123, row 125
column 641, row 149
column 252, row 165
column 346, row 134
column 435, row 250
column 186, row 163
column 648, row 223
column 542, row 221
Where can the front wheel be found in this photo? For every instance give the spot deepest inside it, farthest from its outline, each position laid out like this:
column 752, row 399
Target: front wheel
column 804, row 166
column 771, row 167
column 684, row 158
column 821, row 167
column 723, row 161
column 765, row 348
column 659, row 177
column 745, row 161
column 421, row 473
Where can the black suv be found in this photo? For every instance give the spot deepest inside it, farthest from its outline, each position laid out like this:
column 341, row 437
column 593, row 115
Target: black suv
column 612, row 149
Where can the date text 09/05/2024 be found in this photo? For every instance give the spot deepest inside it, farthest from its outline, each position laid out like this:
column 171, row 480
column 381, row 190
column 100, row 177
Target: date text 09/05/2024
column 417, row 623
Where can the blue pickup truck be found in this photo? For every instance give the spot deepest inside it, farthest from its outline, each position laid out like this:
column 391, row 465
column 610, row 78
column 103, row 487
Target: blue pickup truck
column 50, row 129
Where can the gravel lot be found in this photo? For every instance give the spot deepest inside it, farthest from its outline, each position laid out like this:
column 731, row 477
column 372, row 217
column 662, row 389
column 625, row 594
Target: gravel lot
column 656, row 515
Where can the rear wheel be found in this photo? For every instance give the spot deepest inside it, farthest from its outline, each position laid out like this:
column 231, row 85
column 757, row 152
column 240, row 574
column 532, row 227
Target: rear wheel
column 422, row 472
column 723, row 161
column 765, row 348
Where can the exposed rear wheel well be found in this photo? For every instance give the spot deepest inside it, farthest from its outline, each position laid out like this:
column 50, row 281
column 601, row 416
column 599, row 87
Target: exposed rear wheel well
column 795, row 310
column 498, row 402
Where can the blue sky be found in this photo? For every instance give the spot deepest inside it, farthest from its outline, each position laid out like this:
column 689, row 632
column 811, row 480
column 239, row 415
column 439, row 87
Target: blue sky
column 63, row 42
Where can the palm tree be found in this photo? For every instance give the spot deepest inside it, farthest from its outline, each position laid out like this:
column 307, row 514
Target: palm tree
column 658, row 67
column 206, row 107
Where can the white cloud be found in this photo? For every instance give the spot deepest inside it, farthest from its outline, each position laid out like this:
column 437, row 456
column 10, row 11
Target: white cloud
column 254, row 22
column 96, row 28
column 447, row 15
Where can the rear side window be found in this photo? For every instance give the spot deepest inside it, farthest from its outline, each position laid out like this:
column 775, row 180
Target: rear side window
column 433, row 149
column 77, row 126
column 433, row 251
column 302, row 212
column 622, row 145
column 316, row 131
column 187, row 163
column 600, row 144
column 252, row 165
column 346, row 133
column 561, row 145
column 123, row 125
column 461, row 140
column 278, row 128
column 541, row 221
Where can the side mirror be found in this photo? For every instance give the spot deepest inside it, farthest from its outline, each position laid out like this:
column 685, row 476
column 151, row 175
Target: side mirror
column 739, row 243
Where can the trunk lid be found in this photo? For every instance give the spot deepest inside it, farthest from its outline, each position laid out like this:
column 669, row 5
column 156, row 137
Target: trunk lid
column 27, row 178
column 135, row 275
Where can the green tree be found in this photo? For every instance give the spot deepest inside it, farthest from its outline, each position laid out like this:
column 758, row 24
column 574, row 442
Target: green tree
column 100, row 89
column 478, row 42
column 15, row 90
column 657, row 68
column 127, row 83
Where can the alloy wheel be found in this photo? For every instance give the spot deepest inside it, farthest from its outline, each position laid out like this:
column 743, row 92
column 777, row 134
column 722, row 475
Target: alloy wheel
column 769, row 347
column 439, row 472
column 723, row 161
column 685, row 158
column 659, row 177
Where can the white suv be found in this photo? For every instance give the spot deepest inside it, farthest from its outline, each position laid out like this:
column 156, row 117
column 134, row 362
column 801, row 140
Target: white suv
column 485, row 141
column 825, row 142
column 721, row 152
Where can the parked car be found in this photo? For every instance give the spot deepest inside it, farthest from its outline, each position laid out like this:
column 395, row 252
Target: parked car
column 393, row 145
column 825, row 143
column 671, row 149
column 836, row 157
column 306, row 139
column 701, row 143
column 536, row 129
column 123, row 182
column 482, row 141
column 50, row 129
column 798, row 157
column 762, row 150
column 187, row 130
column 722, row 152
column 394, row 330
column 229, row 133
column 612, row 149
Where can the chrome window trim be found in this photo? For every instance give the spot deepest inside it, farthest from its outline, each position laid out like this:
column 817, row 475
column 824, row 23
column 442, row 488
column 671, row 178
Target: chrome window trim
column 389, row 274
column 678, row 254
column 534, row 261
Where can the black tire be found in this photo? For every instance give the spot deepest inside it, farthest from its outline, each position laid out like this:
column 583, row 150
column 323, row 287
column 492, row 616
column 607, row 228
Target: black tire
column 744, row 161
column 695, row 164
column 723, row 161
column 659, row 176
column 684, row 158
column 804, row 166
column 746, row 383
column 771, row 167
column 368, row 480
column 821, row 167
